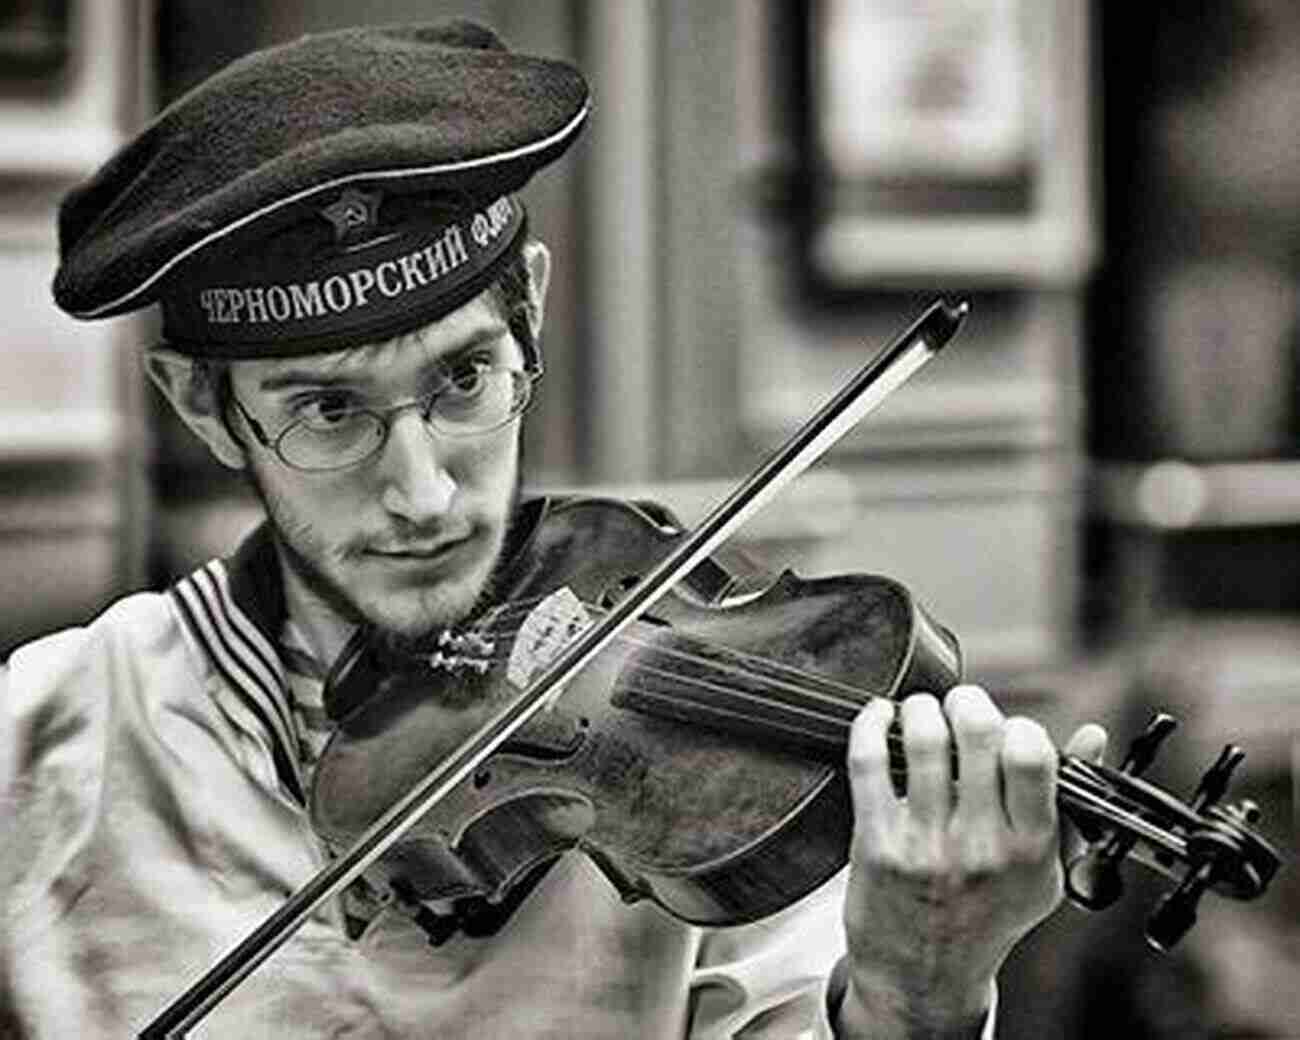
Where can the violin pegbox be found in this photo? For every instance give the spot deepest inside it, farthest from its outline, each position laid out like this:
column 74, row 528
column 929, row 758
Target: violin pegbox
column 1201, row 844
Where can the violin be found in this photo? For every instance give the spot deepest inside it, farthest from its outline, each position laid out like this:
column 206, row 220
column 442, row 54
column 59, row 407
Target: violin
column 650, row 698
column 697, row 760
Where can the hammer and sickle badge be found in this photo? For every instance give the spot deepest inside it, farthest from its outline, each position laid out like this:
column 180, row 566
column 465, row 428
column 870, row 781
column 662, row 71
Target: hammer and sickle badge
column 353, row 215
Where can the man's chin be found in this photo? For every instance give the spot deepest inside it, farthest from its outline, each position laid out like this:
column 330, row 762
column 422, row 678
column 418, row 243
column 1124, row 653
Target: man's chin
column 412, row 615
column 399, row 607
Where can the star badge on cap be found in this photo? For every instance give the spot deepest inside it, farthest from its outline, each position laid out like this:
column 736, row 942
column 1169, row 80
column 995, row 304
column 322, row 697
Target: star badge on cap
column 354, row 214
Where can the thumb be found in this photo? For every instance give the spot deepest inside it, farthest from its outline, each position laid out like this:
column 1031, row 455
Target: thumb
column 1089, row 744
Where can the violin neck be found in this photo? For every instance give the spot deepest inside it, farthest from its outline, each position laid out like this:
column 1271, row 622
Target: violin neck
column 807, row 715
column 813, row 717
column 810, row 715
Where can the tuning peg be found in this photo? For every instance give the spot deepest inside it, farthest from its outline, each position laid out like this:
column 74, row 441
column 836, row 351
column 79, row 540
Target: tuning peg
column 1093, row 879
column 1177, row 911
column 1246, row 811
column 1142, row 751
column 1215, row 781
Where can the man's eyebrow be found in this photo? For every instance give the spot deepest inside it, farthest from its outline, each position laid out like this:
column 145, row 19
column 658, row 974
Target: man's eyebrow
column 295, row 377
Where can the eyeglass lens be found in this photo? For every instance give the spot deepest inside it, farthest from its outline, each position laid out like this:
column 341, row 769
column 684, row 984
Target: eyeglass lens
column 486, row 401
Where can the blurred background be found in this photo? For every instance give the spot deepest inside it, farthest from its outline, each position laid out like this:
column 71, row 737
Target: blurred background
column 1097, row 486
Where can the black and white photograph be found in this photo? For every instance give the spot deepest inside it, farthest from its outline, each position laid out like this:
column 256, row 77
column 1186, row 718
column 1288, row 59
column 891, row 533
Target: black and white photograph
column 803, row 544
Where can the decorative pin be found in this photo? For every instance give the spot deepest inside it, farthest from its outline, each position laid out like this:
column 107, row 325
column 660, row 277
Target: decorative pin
column 354, row 214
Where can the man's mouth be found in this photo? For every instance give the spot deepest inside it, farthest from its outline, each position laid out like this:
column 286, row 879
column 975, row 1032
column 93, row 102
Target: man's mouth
column 416, row 552
column 419, row 552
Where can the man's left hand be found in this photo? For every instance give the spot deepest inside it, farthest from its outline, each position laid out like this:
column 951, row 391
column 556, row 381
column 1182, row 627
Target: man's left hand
column 946, row 879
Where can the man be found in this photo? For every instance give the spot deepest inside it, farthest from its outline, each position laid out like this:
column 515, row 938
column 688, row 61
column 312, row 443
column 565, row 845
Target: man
column 351, row 309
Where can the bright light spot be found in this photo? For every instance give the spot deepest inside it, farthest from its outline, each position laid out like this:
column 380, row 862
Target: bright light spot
column 1171, row 494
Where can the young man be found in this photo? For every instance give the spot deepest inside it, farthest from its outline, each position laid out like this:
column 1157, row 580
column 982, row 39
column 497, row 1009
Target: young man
column 351, row 308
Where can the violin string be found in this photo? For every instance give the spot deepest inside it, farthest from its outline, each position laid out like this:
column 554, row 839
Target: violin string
column 795, row 681
column 799, row 680
column 1112, row 805
column 777, row 675
column 1126, row 807
column 1130, row 808
column 796, row 684
column 1109, row 809
column 736, row 693
column 1074, row 779
column 846, row 706
column 1115, row 806
column 844, row 700
column 782, row 677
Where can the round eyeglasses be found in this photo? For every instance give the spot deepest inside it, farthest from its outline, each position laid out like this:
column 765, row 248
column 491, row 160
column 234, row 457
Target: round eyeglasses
column 474, row 402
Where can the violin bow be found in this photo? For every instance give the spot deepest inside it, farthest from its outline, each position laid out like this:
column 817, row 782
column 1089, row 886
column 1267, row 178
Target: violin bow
column 892, row 366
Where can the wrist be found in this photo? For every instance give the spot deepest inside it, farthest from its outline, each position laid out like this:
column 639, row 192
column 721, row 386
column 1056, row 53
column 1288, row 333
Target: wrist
column 867, row 1004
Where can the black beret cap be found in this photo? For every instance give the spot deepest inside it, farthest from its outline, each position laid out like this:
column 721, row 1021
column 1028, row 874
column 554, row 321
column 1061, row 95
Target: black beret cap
column 363, row 176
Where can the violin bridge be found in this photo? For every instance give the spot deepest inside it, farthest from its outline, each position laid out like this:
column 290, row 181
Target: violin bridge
column 549, row 627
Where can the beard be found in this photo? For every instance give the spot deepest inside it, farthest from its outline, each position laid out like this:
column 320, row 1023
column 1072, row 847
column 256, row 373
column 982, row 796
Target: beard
column 301, row 551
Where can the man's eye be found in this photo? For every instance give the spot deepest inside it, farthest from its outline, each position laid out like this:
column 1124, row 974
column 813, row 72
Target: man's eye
column 324, row 410
column 468, row 380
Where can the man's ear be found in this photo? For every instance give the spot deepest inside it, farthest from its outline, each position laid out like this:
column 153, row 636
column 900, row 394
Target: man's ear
column 195, row 396
column 538, row 260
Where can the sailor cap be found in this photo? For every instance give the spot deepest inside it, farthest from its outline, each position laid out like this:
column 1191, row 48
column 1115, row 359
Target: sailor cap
column 340, row 189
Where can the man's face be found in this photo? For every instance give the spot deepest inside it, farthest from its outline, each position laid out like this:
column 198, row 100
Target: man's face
column 408, row 538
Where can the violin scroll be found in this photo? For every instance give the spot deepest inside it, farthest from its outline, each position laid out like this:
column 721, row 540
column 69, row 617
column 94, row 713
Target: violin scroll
column 1201, row 844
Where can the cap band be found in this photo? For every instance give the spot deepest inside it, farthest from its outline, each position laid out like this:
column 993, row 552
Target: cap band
column 362, row 292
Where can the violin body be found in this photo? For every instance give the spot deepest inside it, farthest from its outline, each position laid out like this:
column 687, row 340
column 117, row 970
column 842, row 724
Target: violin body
column 698, row 761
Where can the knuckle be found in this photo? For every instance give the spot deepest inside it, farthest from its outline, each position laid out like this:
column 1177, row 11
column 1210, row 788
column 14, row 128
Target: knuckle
column 975, row 718
column 967, row 697
column 873, row 717
column 982, row 734
column 1034, row 847
column 867, row 740
column 1026, row 748
column 917, row 706
column 879, row 853
column 925, row 742
column 872, row 848
column 866, row 758
column 923, row 856
column 983, row 858
column 906, row 854
column 924, row 726
column 880, row 709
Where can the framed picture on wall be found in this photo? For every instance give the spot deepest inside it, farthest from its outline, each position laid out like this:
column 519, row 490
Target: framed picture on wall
column 931, row 91
column 947, row 137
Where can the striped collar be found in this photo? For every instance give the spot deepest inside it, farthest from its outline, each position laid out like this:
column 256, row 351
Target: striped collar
column 235, row 609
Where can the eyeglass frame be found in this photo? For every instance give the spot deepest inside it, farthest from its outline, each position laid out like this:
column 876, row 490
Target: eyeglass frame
column 384, row 415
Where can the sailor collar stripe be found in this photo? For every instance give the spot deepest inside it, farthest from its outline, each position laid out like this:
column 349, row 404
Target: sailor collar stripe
column 247, row 663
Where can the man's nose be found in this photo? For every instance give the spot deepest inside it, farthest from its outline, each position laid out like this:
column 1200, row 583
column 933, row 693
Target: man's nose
column 416, row 483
